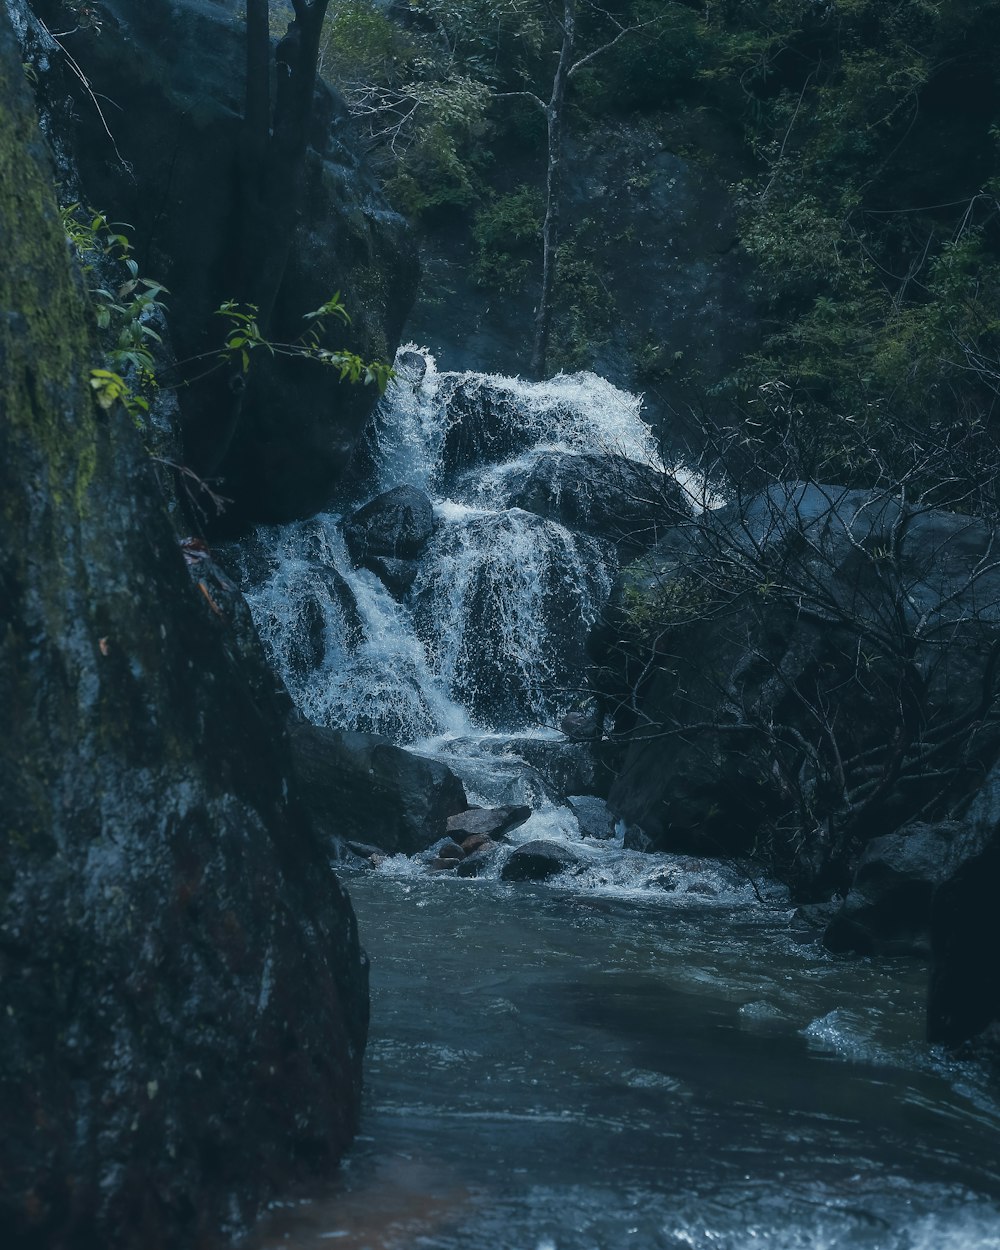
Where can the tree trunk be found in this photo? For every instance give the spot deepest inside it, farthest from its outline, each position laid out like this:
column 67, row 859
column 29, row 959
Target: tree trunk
column 553, row 190
column 273, row 165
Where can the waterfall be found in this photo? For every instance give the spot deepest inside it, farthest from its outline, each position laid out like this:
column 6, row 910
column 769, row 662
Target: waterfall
column 491, row 635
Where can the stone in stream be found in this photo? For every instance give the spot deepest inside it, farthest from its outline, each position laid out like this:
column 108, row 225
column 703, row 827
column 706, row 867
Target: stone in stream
column 479, row 860
column 476, row 842
column 535, row 861
column 363, row 787
column 593, row 815
column 446, row 850
column 494, row 822
column 396, row 524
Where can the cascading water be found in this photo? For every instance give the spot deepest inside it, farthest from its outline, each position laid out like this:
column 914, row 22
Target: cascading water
column 491, row 636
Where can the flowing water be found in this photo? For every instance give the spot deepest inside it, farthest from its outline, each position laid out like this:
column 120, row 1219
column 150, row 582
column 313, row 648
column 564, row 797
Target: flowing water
column 641, row 1052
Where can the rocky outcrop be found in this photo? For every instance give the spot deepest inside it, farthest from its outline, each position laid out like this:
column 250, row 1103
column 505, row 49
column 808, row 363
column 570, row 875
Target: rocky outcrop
column 185, row 1002
column 821, row 665
column 888, row 908
column 361, row 786
column 174, row 72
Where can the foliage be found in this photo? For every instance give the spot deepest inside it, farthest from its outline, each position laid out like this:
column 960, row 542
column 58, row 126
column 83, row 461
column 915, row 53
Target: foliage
column 126, row 306
column 506, row 232
column 125, row 313
column 873, row 221
column 585, row 310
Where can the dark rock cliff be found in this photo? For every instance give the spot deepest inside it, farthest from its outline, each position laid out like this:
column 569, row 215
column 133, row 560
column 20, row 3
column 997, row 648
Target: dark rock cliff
column 170, row 77
column 184, row 997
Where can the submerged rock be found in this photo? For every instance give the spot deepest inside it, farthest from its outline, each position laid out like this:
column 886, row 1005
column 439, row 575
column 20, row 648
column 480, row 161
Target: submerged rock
column 479, row 861
column 535, row 861
column 396, row 575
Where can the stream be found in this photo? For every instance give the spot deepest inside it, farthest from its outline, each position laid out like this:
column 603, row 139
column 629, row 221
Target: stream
column 643, row 1051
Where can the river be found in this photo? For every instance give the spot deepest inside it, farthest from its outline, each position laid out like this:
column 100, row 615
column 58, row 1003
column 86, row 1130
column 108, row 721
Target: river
column 561, row 1069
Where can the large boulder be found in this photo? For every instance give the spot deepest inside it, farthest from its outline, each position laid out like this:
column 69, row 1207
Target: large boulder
column 607, row 495
column 888, row 908
column 174, row 71
column 784, row 670
column 363, row 787
column 185, row 1003
column 537, row 861
column 396, row 523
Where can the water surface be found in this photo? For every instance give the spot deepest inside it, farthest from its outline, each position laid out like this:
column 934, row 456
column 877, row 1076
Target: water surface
column 553, row 1068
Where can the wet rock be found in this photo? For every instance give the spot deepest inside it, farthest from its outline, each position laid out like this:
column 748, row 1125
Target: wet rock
column 608, row 495
column 477, row 842
column 582, row 726
column 363, row 786
column 964, row 996
column 307, row 644
column 888, row 908
column 636, row 839
column 493, row 822
column 410, row 367
column 396, row 575
column 446, row 849
column 535, row 861
column 593, row 815
column 665, row 879
column 395, row 524
column 479, row 861
column 569, row 767
column 486, row 424
column 364, row 850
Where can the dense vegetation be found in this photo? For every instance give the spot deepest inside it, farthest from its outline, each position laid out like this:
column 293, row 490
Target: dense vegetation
column 866, row 175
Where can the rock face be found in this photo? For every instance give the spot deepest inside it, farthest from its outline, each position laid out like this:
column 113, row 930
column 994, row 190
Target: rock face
column 185, row 998
column 782, row 693
column 175, row 70
column 361, row 786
